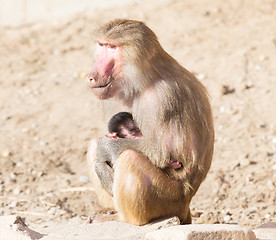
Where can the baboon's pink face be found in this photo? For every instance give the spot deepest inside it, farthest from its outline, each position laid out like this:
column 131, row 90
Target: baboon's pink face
column 105, row 76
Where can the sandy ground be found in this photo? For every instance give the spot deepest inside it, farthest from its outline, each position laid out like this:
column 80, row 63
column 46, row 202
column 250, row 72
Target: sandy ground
column 48, row 114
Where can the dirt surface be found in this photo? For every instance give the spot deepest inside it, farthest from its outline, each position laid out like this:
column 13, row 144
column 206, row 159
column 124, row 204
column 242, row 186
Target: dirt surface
column 48, row 114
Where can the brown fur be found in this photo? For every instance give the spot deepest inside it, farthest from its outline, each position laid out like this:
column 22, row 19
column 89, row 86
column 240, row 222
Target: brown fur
column 171, row 108
column 142, row 192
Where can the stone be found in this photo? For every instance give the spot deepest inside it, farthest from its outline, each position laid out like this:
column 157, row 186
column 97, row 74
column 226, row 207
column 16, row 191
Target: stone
column 164, row 223
column 202, row 231
column 13, row 227
column 266, row 231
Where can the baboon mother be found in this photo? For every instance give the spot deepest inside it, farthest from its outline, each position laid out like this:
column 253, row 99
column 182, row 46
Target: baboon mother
column 171, row 108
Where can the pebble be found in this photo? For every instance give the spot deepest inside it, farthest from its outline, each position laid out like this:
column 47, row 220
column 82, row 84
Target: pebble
column 24, row 130
column 227, row 218
column 19, row 164
column 258, row 67
column 12, row 175
column 84, row 179
column 252, row 162
column 200, row 76
column 5, row 153
column 13, row 204
column 40, row 174
column 5, row 118
column 49, row 195
column 263, row 58
column 249, row 178
column 227, row 90
column 56, row 52
column 16, row 191
column 27, row 191
column 53, row 210
column 249, row 212
column 269, row 154
column 222, row 109
column 43, row 143
column 270, row 185
column 248, row 85
column 262, row 125
column 28, row 91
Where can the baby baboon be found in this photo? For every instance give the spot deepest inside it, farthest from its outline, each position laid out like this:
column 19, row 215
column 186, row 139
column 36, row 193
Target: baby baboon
column 122, row 134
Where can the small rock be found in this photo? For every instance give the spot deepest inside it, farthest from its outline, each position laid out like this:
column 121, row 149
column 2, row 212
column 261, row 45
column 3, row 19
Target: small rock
column 227, row 218
column 53, row 210
column 249, row 212
column 263, row 58
column 12, row 175
column 222, row 109
column 40, row 174
column 269, row 154
column 84, row 179
column 43, row 143
column 202, row 231
column 164, row 223
column 197, row 214
column 248, row 85
column 24, row 130
column 5, row 153
column 227, row 90
column 200, row 76
column 13, row 204
column 270, row 185
column 266, row 231
column 56, row 52
column 13, row 227
column 251, row 162
column 235, row 111
column 16, row 191
column 262, row 125
column 5, row 118
column 249, row 178
column 258, row 67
